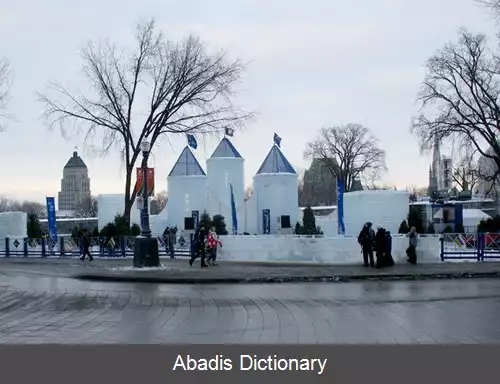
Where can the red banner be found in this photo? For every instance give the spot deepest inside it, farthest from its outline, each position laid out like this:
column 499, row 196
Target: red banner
column 151, row 181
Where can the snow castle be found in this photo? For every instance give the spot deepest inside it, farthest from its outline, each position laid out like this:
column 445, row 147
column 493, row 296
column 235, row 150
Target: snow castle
column 190, row 190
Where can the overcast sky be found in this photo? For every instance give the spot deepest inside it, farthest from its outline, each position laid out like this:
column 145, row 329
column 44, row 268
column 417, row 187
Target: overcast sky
column 312, row 64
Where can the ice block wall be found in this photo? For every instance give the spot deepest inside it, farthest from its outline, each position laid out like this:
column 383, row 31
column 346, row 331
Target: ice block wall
column 111, row 205
column 386, row 208
column 13, row 225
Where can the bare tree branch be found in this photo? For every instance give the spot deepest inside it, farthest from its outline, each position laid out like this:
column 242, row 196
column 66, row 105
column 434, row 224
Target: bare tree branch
column 185, row 89
column 5, row 88
column 349, row 152
column 459, row 98
column 87, row 208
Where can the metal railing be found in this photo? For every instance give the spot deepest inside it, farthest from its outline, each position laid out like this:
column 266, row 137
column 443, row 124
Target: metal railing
column 111, row 247
column 470, row 246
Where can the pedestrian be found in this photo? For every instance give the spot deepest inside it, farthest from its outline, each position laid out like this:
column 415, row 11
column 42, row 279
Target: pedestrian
column 389, row 261
column 365, row 239
column 213, row 244
column 86, row 245
column 169, row 237
column 380, row 247
column 200, row 237
column 411, row 251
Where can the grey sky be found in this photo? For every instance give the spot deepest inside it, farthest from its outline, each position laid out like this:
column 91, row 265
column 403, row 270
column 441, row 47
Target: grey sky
column 312, row 63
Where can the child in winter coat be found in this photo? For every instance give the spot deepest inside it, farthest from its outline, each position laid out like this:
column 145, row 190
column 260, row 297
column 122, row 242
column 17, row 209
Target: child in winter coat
column 212, row 244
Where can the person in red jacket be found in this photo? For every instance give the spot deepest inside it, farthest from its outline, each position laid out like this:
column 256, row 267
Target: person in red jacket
column 212, row 244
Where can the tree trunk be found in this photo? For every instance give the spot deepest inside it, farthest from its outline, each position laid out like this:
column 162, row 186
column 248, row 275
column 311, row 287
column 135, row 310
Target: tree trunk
column 128, row 200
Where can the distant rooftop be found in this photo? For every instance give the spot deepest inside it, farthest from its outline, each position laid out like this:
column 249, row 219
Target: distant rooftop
column 275, row 162
column 187, row 165
column 75, row 162
column 226, row 149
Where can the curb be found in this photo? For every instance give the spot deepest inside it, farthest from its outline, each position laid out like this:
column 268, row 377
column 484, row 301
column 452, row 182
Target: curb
column 288, row 279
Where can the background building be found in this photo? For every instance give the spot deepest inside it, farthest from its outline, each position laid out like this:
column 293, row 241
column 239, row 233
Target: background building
column 75, row 184
column 440, row 173
column 319, row 186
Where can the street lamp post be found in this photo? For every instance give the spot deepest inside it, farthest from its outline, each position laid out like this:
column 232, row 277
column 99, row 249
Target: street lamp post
column 145, row 247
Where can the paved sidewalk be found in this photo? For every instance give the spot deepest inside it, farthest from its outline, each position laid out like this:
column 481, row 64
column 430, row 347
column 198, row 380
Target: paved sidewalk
column 178, row 271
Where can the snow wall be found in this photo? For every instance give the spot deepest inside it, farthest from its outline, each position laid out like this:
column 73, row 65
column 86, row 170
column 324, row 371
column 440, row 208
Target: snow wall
column 340, row 250
column 13, row 225
column 111, row 205
column 386, row 208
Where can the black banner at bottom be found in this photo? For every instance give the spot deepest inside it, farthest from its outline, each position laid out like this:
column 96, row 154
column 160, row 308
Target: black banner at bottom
column 155, row 364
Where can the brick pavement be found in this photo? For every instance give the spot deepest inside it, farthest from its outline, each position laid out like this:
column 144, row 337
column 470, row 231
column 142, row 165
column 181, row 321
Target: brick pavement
column 61, row 310
column 178, row 271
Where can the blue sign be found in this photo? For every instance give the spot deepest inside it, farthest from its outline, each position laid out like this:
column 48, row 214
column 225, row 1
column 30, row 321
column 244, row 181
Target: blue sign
column 233, row 210
column 196, row 218
column 51, row 217
column 340, row 206
column 266, row 221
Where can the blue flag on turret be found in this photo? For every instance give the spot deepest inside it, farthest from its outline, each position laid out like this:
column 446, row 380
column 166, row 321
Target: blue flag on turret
column 277, row 140
column 192, row 141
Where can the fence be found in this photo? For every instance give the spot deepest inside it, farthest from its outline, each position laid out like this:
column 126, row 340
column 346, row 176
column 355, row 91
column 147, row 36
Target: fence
column 99, row 247
column 476, row 246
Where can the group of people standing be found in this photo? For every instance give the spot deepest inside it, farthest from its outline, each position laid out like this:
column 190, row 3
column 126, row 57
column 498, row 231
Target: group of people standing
column 206, row 243
column 380, row 243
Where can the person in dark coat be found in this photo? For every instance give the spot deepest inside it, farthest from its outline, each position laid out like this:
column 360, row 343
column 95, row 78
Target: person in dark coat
column 365, row 239
column 380, row 247
column 388, row 260
column 169, row 237
column 86, row 245
column 200, row 238
column 411, row 251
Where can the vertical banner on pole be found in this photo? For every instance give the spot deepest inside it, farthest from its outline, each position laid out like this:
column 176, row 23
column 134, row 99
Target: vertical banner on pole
column 459, row 217
column 233, row 210
column 196, row 218
column 340, row 206
column 140, row 181
column 266, row 221
column 51, row 217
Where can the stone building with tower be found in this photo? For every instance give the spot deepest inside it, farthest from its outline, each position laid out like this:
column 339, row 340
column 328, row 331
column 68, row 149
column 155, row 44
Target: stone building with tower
column 440, row 173
column 75, row 184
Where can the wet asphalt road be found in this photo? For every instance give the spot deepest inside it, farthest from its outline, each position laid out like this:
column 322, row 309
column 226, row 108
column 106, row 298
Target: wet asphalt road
column 37, row 309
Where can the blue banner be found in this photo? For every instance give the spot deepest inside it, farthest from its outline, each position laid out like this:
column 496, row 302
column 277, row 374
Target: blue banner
column 266, row 221
column 340, row 206
column 51, row 218
column 196, row 218
column 233, row 209
column 459, row 216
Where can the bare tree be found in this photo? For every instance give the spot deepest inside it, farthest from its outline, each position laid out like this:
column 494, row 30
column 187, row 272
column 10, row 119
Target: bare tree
column 87, row 208
column 159, row 203
column 459, row 99
column 349, row 152
column 466, row 173
column 372, row 186
column 186, row 89
column 5, row 85
column 494, row 5
column 248, row 192
column 30, row 207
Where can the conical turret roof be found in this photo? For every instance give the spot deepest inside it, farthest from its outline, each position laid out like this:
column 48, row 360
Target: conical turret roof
column 226, row 149
column 275, row 162
column 187, row 165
